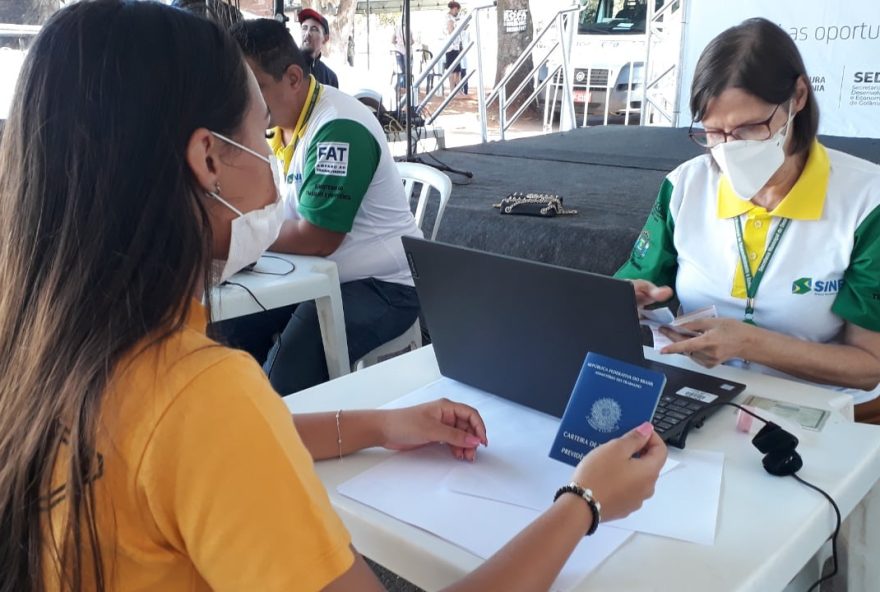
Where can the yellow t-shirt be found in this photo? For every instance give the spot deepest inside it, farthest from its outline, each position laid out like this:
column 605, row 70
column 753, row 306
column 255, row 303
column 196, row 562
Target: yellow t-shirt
column 204, row 483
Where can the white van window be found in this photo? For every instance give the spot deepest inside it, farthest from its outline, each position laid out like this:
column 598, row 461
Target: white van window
column 614, row 17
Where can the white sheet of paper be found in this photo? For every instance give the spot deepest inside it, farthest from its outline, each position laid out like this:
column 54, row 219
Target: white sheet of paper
column 661, row 316
column 660, row 340
column 516, row 468
column 411, row 486
column 515, row 473
column 685, row 502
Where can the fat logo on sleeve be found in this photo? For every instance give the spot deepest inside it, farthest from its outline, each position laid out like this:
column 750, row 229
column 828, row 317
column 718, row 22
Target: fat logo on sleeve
column 332, row 159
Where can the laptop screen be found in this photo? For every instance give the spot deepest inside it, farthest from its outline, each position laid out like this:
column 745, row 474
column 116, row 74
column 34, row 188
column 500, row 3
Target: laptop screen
column 519, row 329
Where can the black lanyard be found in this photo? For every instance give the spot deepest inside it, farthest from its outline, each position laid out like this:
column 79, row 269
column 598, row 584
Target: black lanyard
column 752, row 282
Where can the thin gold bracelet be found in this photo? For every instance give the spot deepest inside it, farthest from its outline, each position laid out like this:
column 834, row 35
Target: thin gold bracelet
column 339, row 432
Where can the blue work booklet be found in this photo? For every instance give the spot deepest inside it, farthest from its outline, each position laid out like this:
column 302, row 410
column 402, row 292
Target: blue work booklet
column 609, row 399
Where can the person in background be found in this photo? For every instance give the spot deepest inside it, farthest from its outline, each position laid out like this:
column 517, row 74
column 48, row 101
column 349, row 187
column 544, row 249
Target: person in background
column 137, row 453
column 779, row 233
column 455, row 49
column 344, row 200
column 398, row 42
column 315, row 34
column 465, row 40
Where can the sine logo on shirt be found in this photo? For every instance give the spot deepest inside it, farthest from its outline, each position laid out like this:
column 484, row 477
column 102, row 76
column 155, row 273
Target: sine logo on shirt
column 332, row 159
column 806, row 285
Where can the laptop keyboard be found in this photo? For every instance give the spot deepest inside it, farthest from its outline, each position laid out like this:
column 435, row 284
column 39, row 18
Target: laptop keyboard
column 671, row 411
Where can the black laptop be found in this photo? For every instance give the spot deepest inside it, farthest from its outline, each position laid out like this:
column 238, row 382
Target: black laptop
column 521, row 329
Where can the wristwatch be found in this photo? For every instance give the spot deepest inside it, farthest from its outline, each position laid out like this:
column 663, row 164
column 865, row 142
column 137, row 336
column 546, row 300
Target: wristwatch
column 595, row 507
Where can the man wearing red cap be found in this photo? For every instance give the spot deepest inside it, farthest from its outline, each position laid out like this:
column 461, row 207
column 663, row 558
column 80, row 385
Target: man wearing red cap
column 315, row 33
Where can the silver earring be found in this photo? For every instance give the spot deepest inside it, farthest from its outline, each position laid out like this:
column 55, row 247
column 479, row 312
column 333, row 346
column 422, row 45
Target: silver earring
column 217, row 187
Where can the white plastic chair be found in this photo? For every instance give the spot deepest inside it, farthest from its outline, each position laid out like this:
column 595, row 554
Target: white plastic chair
column 369, row 97
column 429, row 178
column 412, row 173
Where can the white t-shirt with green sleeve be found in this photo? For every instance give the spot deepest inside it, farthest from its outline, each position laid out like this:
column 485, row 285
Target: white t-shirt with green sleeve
column 825, row 271
column 342, row 178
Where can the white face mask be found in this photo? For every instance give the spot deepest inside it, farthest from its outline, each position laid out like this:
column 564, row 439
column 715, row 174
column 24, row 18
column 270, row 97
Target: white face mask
column 749, row 164
column 252, row 232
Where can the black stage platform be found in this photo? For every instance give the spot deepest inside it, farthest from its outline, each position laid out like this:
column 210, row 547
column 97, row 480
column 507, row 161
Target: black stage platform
column 609, row 174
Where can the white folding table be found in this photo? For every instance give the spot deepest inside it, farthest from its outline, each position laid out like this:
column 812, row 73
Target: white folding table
column 313, row 278
column 769, row 528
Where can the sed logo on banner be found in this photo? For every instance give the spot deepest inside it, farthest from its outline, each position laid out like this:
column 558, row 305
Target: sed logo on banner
column 332, row 159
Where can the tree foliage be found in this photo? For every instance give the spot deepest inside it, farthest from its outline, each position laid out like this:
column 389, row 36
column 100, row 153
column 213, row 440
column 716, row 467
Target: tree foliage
column 27, row 12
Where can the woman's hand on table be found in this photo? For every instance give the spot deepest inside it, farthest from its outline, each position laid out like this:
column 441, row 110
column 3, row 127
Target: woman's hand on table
column 455, row 424
column 719, row 340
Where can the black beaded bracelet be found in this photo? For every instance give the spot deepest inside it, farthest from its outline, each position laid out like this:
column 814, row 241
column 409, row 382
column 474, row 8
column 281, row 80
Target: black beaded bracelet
column 587, row 495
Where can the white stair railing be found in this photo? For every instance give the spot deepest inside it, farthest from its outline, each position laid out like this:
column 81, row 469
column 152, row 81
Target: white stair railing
column 565, row 24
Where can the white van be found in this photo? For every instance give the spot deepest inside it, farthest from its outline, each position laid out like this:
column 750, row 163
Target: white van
column 13, row 40
column 608, row 57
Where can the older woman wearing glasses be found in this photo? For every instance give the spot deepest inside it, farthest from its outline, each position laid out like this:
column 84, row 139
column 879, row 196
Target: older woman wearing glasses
column 779, row 233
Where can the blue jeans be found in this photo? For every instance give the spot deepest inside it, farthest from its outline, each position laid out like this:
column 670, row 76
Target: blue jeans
column 375, row 312
column 401, row 69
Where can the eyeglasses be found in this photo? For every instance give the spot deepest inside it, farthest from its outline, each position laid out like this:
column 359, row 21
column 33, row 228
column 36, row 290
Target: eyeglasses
column 753, row 131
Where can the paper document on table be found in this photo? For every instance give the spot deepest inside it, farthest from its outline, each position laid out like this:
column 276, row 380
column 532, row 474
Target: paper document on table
column 411, row 486
column 515, row 472
column 685, row 501
column 684, row 505
column 515, row 469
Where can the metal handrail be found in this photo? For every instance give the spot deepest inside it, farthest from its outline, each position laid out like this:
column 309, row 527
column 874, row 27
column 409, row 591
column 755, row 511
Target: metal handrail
column 528, row 51
column 534, row 95
column 668, row 6
column 435, row 89
column 660, row 77
column 442, row 52
column 564, row 23
column 653, row 20
column 429, row 69
column 535, row 70
column 449, row 98
column 10, row 30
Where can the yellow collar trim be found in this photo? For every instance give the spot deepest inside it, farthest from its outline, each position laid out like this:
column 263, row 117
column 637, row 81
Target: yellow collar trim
column 300, row 128
column 276, row 142
column 805, row 201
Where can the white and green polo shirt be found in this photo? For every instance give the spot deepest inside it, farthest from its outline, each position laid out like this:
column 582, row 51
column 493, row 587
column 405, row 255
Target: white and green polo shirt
column 340, row 176
column 825, row 269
